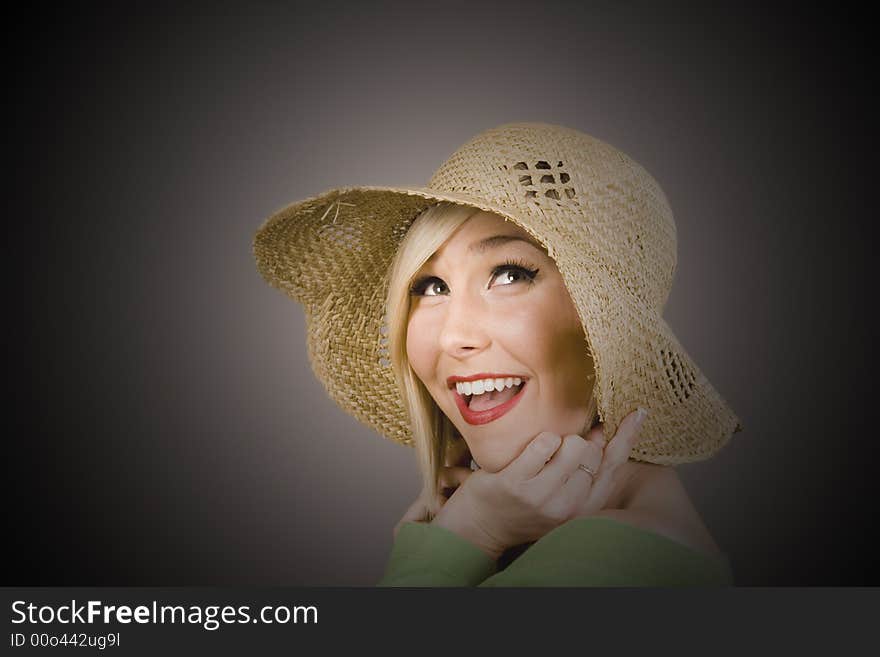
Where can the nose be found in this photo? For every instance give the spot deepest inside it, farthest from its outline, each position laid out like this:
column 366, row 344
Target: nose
column 464, row 330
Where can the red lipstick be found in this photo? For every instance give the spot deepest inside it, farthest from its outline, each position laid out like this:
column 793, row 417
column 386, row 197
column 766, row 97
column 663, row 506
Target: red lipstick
column 489, row 415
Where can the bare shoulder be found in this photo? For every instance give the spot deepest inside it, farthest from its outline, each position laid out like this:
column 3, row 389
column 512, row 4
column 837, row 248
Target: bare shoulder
column 655, row 499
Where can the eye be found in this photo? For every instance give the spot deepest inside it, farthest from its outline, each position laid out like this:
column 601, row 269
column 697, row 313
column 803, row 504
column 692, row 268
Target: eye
column 514, row 272
column 430, row 286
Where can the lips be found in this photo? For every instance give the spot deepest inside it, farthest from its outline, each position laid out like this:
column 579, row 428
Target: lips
column 490, row 414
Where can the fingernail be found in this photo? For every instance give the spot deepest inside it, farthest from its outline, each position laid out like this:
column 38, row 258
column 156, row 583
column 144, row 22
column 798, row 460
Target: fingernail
column 549, row 441
column 641, row 414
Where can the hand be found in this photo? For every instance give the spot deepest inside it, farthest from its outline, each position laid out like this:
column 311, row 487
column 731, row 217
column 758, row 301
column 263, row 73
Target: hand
column 451, row 476
column 614, row 456
column 540, row 490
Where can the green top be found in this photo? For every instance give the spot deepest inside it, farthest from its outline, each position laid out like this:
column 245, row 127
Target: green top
column 592, row 551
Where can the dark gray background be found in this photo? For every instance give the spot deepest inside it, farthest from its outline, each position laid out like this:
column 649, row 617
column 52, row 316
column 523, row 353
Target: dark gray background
column 166, row 427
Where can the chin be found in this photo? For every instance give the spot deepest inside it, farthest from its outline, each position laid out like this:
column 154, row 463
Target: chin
column 488, row 466
column 494, row 455
column 494, row 460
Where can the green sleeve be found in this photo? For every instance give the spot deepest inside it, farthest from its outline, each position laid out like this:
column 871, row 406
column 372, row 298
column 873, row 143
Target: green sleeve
column 604, row 552
column 428, row 555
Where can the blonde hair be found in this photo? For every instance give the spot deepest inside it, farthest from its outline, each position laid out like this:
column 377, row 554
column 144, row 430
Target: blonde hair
column 434, row 435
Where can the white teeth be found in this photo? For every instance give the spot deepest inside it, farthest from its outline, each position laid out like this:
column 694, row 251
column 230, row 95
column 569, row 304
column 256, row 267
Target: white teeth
column 466, row 388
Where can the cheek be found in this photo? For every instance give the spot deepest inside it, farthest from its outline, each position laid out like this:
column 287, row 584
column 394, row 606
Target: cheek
column 538, row 325
column 560, row 350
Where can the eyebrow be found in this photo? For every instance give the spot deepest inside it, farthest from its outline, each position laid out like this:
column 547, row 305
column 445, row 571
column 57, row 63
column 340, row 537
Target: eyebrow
column 495, row 241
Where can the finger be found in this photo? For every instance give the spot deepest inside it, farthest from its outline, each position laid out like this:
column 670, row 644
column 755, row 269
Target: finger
column 576, row 481
column 564, row 462
column 578, row 489
column 594, row 452
column 615, row 456
column 532, row 459
column 619, row 448
column 597, row 435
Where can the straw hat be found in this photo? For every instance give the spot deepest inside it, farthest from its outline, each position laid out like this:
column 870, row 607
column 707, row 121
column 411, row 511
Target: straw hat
column 602, row 218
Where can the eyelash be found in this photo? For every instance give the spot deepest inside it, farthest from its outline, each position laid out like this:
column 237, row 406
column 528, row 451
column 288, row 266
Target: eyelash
column 418, row 288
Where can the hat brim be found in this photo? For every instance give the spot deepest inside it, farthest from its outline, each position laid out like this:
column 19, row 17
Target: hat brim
column 321, row 249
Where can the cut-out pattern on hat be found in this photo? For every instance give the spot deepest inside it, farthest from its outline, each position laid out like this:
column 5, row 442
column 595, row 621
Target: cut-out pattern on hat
column 681, row 379
column 547, row 182
column 382, row 350
column 346, row 236
column 400, row 229
column 635, row 242
column 340, row 228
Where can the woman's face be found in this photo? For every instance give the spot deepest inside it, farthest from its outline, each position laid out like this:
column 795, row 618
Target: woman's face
column 473, row 316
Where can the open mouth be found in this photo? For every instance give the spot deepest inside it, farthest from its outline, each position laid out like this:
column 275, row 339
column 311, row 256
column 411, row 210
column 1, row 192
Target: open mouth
column 480, row 406
column 491, row 399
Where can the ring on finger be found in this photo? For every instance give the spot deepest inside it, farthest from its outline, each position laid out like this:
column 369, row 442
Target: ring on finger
column 587, row 469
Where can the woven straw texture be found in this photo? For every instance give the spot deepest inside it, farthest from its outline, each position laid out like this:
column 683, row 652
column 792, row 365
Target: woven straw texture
column 603, row 219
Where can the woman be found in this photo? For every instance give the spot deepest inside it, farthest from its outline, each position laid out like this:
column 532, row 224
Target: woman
column 537, row 260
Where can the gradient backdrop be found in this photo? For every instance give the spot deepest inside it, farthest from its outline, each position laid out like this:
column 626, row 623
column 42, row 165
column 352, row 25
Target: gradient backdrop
column 166, row 426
